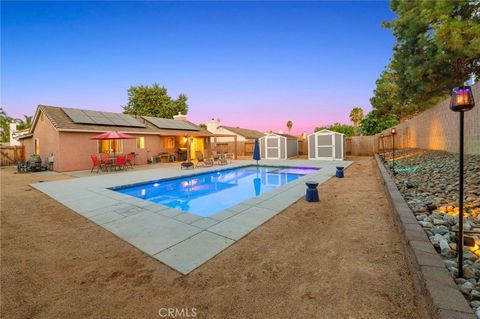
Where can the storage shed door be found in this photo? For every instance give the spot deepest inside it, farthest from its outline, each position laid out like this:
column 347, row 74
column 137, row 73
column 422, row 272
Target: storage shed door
column 272, row 147
column 325, row 146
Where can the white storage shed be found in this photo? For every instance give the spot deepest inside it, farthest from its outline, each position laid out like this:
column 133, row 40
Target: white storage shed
column 278, row 146
column 326, row 145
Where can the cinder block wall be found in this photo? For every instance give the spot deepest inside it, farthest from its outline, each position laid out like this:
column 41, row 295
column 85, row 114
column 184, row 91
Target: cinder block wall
column 438, row 129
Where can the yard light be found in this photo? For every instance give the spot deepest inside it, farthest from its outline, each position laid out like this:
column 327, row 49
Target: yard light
column 394, row 132
column 462, row 101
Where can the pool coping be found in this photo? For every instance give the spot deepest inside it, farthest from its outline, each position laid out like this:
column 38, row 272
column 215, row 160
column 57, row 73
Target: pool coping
column 220, row 169
column 116, row 188
column 180, row 240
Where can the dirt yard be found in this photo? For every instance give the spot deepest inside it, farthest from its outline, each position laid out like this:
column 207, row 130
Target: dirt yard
column 340, row 258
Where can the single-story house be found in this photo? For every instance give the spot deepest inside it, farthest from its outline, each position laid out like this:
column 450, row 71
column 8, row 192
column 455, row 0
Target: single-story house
column 278, row 146
column 64, row 134
column 245, row 138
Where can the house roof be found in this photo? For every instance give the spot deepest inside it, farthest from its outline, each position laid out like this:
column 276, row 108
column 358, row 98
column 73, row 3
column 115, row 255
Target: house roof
column 62, row 122
column 245, row 132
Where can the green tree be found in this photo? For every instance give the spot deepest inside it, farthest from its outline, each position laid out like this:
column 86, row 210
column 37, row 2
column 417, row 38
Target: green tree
column 373, row 123
column 289, row 126
column 154, row 101
column 4, row 126
column 385, row 98
column 348, row 130
column 203, row 126
column 437, row 48
column 25, row 123
column 181, row 105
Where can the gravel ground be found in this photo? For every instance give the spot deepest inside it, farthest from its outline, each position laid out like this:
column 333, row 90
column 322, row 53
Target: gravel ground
column 428, row 181
column 339, row 258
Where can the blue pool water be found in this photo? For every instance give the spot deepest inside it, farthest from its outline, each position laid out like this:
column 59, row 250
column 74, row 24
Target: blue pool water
column 208, row 193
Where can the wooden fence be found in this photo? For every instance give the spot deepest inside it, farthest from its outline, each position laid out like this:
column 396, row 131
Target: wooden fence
column 360, row 145
column 9, row 155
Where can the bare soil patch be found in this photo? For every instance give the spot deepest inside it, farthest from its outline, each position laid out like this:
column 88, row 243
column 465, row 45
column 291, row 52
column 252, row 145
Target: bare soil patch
column 339, row 258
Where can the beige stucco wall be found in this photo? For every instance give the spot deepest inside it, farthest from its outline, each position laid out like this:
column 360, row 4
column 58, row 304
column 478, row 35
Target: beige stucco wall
column 48, row 140
column 77, row 147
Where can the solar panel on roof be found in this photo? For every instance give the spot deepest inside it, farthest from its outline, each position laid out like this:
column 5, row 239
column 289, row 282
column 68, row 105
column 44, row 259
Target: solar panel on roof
column 101, row 118
column 170, row 124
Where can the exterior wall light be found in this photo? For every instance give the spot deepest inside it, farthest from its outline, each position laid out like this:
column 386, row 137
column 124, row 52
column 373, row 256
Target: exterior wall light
column 461, row 101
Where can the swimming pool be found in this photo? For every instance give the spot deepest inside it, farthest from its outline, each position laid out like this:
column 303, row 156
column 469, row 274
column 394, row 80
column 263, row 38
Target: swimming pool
column 208, row 193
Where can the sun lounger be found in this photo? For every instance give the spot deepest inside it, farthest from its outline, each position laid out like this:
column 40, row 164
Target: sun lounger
column 222, row 159
column 203, row 161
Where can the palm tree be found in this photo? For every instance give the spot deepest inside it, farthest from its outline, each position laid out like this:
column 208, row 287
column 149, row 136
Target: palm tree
column 356, row 116
column 25, row 123
column 289, row 126
column 4, row 126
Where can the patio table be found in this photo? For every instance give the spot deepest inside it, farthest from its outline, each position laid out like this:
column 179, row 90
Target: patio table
column 110, row 163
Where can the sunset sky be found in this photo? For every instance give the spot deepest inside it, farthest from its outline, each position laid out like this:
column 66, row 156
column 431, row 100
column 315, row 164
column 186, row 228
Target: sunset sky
column 251, row 64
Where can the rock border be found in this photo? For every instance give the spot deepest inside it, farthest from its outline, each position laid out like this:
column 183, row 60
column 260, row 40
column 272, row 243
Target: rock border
column 433, row 283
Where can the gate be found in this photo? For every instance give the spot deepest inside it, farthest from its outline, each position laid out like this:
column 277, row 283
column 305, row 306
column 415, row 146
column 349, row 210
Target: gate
column 10, row 155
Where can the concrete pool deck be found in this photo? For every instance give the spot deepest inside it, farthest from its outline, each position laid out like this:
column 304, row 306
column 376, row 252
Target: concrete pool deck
column 180, row 240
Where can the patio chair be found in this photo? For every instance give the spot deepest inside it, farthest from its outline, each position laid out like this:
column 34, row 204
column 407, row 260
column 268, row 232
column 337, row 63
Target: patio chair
column 215, row 157
column 129, row 160
column 230, row 157
column 105, row 158
column 202, row 160
column 120, row 162
column 222, row 159
column 96, row 163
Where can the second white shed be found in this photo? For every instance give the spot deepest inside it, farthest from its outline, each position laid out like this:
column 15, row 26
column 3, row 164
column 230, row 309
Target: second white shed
column 326, row 145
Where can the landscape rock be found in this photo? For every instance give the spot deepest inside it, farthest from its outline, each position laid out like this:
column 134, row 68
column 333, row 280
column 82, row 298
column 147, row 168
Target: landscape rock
column 466, row 287
column 425, row 224
column 475, row 295
column 444, row 248
column 428, row 181
column 440, row 230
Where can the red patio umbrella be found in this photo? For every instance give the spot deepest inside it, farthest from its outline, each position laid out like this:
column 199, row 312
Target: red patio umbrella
column 112, row 135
